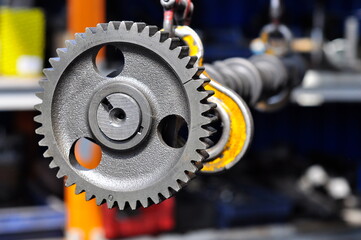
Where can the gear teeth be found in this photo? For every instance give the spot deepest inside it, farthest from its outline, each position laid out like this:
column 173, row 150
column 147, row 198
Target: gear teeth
column 183, row 177
column 88, row 196
column 70, row 43
column 212, row 105
column 44, row 82
column 133, row 204
column 166, row 194
column 155, row 199
column 203, row 154
column 173, row 43
column 211, row 118
column 200, row 84
column 52, row 164
column 161, row 197
column 150, row 30
column 197, row 72
column 113, row 25
column 141, row 26
column 209, row 129
column 61, row 52
column 208, row 120
column 204, row 95
column 38, row 118
column 42, row 142
column 110, row 204
column 39, row 131
column 40, row 95
column 47, row 154
column 80, row 37
column 69, row 181
column 198, row 164
column 181, row 183
column 121, row 204
column 54, row 62
column 206, row 134
column 175, row 186
column 38, row 107
column 138, row 27
column 48, row 73
column 90, row 31
column 207, row 142
column 144, row 202
column 102, row 27
column 150, row 202
column 127, row 205
column 192, row 168
column 189, row 61
column 60, row 174
column 161, row 36
column 126, row 25
column 207, row 108
column 181, row 51
column 172, row 191
column 190, row 175
column 99, row 200
column 79, row 189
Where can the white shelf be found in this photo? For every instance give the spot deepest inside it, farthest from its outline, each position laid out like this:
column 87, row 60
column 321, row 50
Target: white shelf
column 18, row 94
column 319, row 87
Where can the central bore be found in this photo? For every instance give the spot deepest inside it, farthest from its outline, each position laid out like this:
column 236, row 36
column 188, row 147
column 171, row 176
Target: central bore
column 119, row 116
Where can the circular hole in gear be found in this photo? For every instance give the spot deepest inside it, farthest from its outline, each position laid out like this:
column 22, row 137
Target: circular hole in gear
column 173, row 130
column 117, row 115
column 109, row 61
column 85, row 153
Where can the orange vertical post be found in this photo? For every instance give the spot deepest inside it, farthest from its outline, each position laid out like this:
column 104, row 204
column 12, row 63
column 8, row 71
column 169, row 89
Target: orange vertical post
column 84, row 219
column 85, row 13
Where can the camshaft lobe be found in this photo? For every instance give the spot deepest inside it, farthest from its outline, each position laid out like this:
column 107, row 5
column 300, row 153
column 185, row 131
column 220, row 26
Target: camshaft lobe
column 258, row 78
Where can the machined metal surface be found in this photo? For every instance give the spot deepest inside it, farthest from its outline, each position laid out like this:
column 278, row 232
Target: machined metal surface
column 107, row 103
column 119, row 116
column 123, row 113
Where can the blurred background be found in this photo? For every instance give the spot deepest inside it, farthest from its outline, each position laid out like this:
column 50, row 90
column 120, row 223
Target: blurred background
column 301, row 178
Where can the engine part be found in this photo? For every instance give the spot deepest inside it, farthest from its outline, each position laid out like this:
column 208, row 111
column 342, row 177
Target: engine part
column 236, row 130
column 150, row 118
column 261, row 77
column 266, row 80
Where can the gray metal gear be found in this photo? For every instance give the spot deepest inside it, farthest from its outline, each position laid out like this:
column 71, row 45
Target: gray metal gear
column 158, row 81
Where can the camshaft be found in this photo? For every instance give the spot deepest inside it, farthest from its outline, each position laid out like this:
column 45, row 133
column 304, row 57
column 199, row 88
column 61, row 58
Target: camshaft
column 260, row 78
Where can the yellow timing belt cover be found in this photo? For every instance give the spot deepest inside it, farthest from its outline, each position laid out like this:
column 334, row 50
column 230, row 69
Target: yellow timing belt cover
column 241, row 123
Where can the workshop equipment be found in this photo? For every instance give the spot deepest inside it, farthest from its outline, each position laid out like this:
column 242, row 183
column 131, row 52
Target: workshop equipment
column 22, row 31
column 150, row 121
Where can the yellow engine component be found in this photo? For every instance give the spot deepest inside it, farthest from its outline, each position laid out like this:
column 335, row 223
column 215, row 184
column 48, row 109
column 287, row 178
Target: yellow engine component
column 236, row 118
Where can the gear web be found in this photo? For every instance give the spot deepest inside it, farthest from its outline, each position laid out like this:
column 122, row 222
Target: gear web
column 135, row 177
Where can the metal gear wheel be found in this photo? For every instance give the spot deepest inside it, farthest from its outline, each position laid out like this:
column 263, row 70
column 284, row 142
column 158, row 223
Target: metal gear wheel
column 158, row 83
